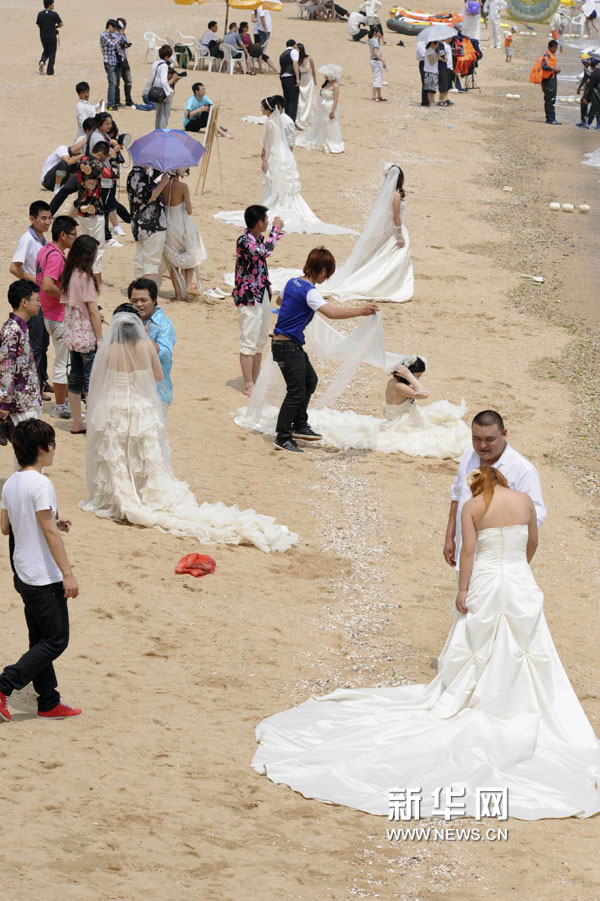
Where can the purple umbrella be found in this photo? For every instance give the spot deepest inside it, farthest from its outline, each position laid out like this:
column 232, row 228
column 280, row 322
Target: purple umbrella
column 166, row 149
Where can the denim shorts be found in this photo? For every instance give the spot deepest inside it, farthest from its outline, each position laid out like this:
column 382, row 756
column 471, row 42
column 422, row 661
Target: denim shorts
column 81, row 368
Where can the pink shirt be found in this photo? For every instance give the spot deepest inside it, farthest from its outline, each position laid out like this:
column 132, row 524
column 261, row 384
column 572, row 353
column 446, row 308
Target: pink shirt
column 50, row 261
column 80, row 292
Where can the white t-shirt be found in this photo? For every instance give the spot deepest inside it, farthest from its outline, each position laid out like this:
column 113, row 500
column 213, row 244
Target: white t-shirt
column 294, row 56
column 420, row 51
column 25, row 494
column 266, row 15
column 431, row 60
column 54, row 158
column 84, row 110
column 355, row 20
column 588, row 7
column 519, row 472
column 26, row 252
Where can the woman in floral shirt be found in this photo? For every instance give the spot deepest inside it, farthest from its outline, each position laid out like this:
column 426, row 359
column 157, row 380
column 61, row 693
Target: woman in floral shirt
column 252, row 291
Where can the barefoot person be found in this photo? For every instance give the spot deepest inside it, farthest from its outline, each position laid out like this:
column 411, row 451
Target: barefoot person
column 490, row 448
column 42, row 572
column 252, row 291
column 299, row 302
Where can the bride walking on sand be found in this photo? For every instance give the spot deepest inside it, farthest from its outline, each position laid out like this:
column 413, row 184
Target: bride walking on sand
column 281, row 194
column 128, row 461
column 324, row 133
column 380, row 266
column 500, row 712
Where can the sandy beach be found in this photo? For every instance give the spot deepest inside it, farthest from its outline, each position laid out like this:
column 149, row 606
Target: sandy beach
column 150, row 794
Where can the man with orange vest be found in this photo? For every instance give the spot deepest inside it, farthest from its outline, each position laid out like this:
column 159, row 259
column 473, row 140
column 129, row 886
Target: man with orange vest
column 544, row 72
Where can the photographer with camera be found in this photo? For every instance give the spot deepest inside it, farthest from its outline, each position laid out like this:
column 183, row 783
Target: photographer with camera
column 89, row 203
column 164, row 79
column 123, row 68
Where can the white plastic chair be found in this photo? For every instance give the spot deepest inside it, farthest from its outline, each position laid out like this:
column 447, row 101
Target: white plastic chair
column 230, row 60
column 302, row 10
column 188, row 40
column 153, row 43
column 576, row 24
column 201, row 55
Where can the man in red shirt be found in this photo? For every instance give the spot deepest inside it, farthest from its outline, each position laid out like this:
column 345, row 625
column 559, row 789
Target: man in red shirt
column 49, row 265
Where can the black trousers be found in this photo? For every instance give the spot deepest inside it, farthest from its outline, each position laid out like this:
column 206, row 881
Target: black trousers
column 549, row 89
column 300, row 380
column 124, row 72
column 49, row 53
column 198, row 122
column 291, row 93
column 360, row 34
column 69, row 186
column 424, row 94
column 47, row 620
column 39, row 340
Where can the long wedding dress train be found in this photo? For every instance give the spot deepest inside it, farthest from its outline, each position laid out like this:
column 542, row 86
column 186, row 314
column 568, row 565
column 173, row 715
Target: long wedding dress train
column 282, row 188
column 500, row 713
column 436, row 430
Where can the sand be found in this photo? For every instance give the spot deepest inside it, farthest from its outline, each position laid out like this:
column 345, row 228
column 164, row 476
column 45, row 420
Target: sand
column 150, row 794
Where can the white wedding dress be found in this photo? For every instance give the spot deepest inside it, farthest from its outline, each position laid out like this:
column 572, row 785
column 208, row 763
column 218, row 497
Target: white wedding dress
column 307, row 103
column 324, row 133
column 500, row 713
column 282, row 187
column 436, row 430
column 184, row 247
column 377, row 269
column 128, row 464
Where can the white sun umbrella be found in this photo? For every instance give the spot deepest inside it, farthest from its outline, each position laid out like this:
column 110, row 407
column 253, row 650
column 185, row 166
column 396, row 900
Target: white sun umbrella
column 436, row 33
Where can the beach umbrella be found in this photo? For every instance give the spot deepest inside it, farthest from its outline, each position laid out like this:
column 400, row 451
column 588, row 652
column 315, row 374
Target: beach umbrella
column 271, row 5
column 165, row 149
column 436, row 33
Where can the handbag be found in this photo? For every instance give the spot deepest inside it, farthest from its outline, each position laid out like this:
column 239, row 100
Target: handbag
column 157, row 94
column 78, row 331
column 255, row 50
column 473, row 8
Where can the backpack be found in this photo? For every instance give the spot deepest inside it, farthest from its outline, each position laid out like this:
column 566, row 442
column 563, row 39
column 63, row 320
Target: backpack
column 473, row 8
column 535, row 76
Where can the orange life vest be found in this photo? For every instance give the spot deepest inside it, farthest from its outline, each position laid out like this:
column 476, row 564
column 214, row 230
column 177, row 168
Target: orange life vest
column 554, row 34
column 464, row 63
column 537, row 74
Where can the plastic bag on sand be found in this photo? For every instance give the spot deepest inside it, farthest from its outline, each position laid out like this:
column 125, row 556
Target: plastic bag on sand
column 196, row 565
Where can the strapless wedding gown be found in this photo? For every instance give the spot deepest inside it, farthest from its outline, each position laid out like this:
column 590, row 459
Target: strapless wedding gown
column 133, row 480
column 306, row 98
column 437, row 430
column 324, row 133
column 500, row 713
column 184, row 247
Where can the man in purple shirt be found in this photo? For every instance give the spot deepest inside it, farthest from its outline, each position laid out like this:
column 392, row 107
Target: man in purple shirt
column 20, row 395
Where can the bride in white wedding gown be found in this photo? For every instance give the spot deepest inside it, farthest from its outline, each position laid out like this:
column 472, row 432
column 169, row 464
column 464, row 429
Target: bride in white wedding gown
column 324, row 132
column 380, row 265
column 128, row 463
column 282, row 187
column 500, row 713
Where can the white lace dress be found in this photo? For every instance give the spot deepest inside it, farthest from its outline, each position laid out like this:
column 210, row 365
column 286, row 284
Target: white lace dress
column 324, row 133
column 500, row 713
column 133, row 480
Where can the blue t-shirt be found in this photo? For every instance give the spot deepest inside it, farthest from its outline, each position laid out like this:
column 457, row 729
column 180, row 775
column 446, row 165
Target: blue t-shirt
column 192, row 104
column 162, row 332
column 299, row 302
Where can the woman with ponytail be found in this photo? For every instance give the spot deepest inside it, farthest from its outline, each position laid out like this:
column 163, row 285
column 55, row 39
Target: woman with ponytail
column 500, row 712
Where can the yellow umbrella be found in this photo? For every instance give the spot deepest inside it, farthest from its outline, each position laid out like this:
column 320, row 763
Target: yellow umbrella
column 271, row 5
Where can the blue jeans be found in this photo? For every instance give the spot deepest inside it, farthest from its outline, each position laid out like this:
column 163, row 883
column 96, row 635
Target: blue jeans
column 146, row 105
column 111, row 73
column 79, row 374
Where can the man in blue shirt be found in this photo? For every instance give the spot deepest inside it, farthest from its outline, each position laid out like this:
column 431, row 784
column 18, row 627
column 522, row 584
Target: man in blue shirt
column 143, row 294
column 299, row 302
column 197, row 108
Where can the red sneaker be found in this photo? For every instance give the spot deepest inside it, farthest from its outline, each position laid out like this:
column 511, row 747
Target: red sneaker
column 60, row 712
column 4, row 714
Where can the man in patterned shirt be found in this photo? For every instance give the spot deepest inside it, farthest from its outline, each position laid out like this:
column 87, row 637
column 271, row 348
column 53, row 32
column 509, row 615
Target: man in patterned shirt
column 252, row 291
column 20, row 395
column 90, row 208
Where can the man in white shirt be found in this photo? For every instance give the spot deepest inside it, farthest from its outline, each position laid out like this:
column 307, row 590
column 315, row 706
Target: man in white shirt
column 263, row 21
column 42, row 572
column 83, row 108
column 23, row 266
column 490, row 448
column 355, row 29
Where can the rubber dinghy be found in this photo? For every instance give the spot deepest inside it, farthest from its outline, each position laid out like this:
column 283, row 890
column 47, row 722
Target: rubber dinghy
column 412, row 21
